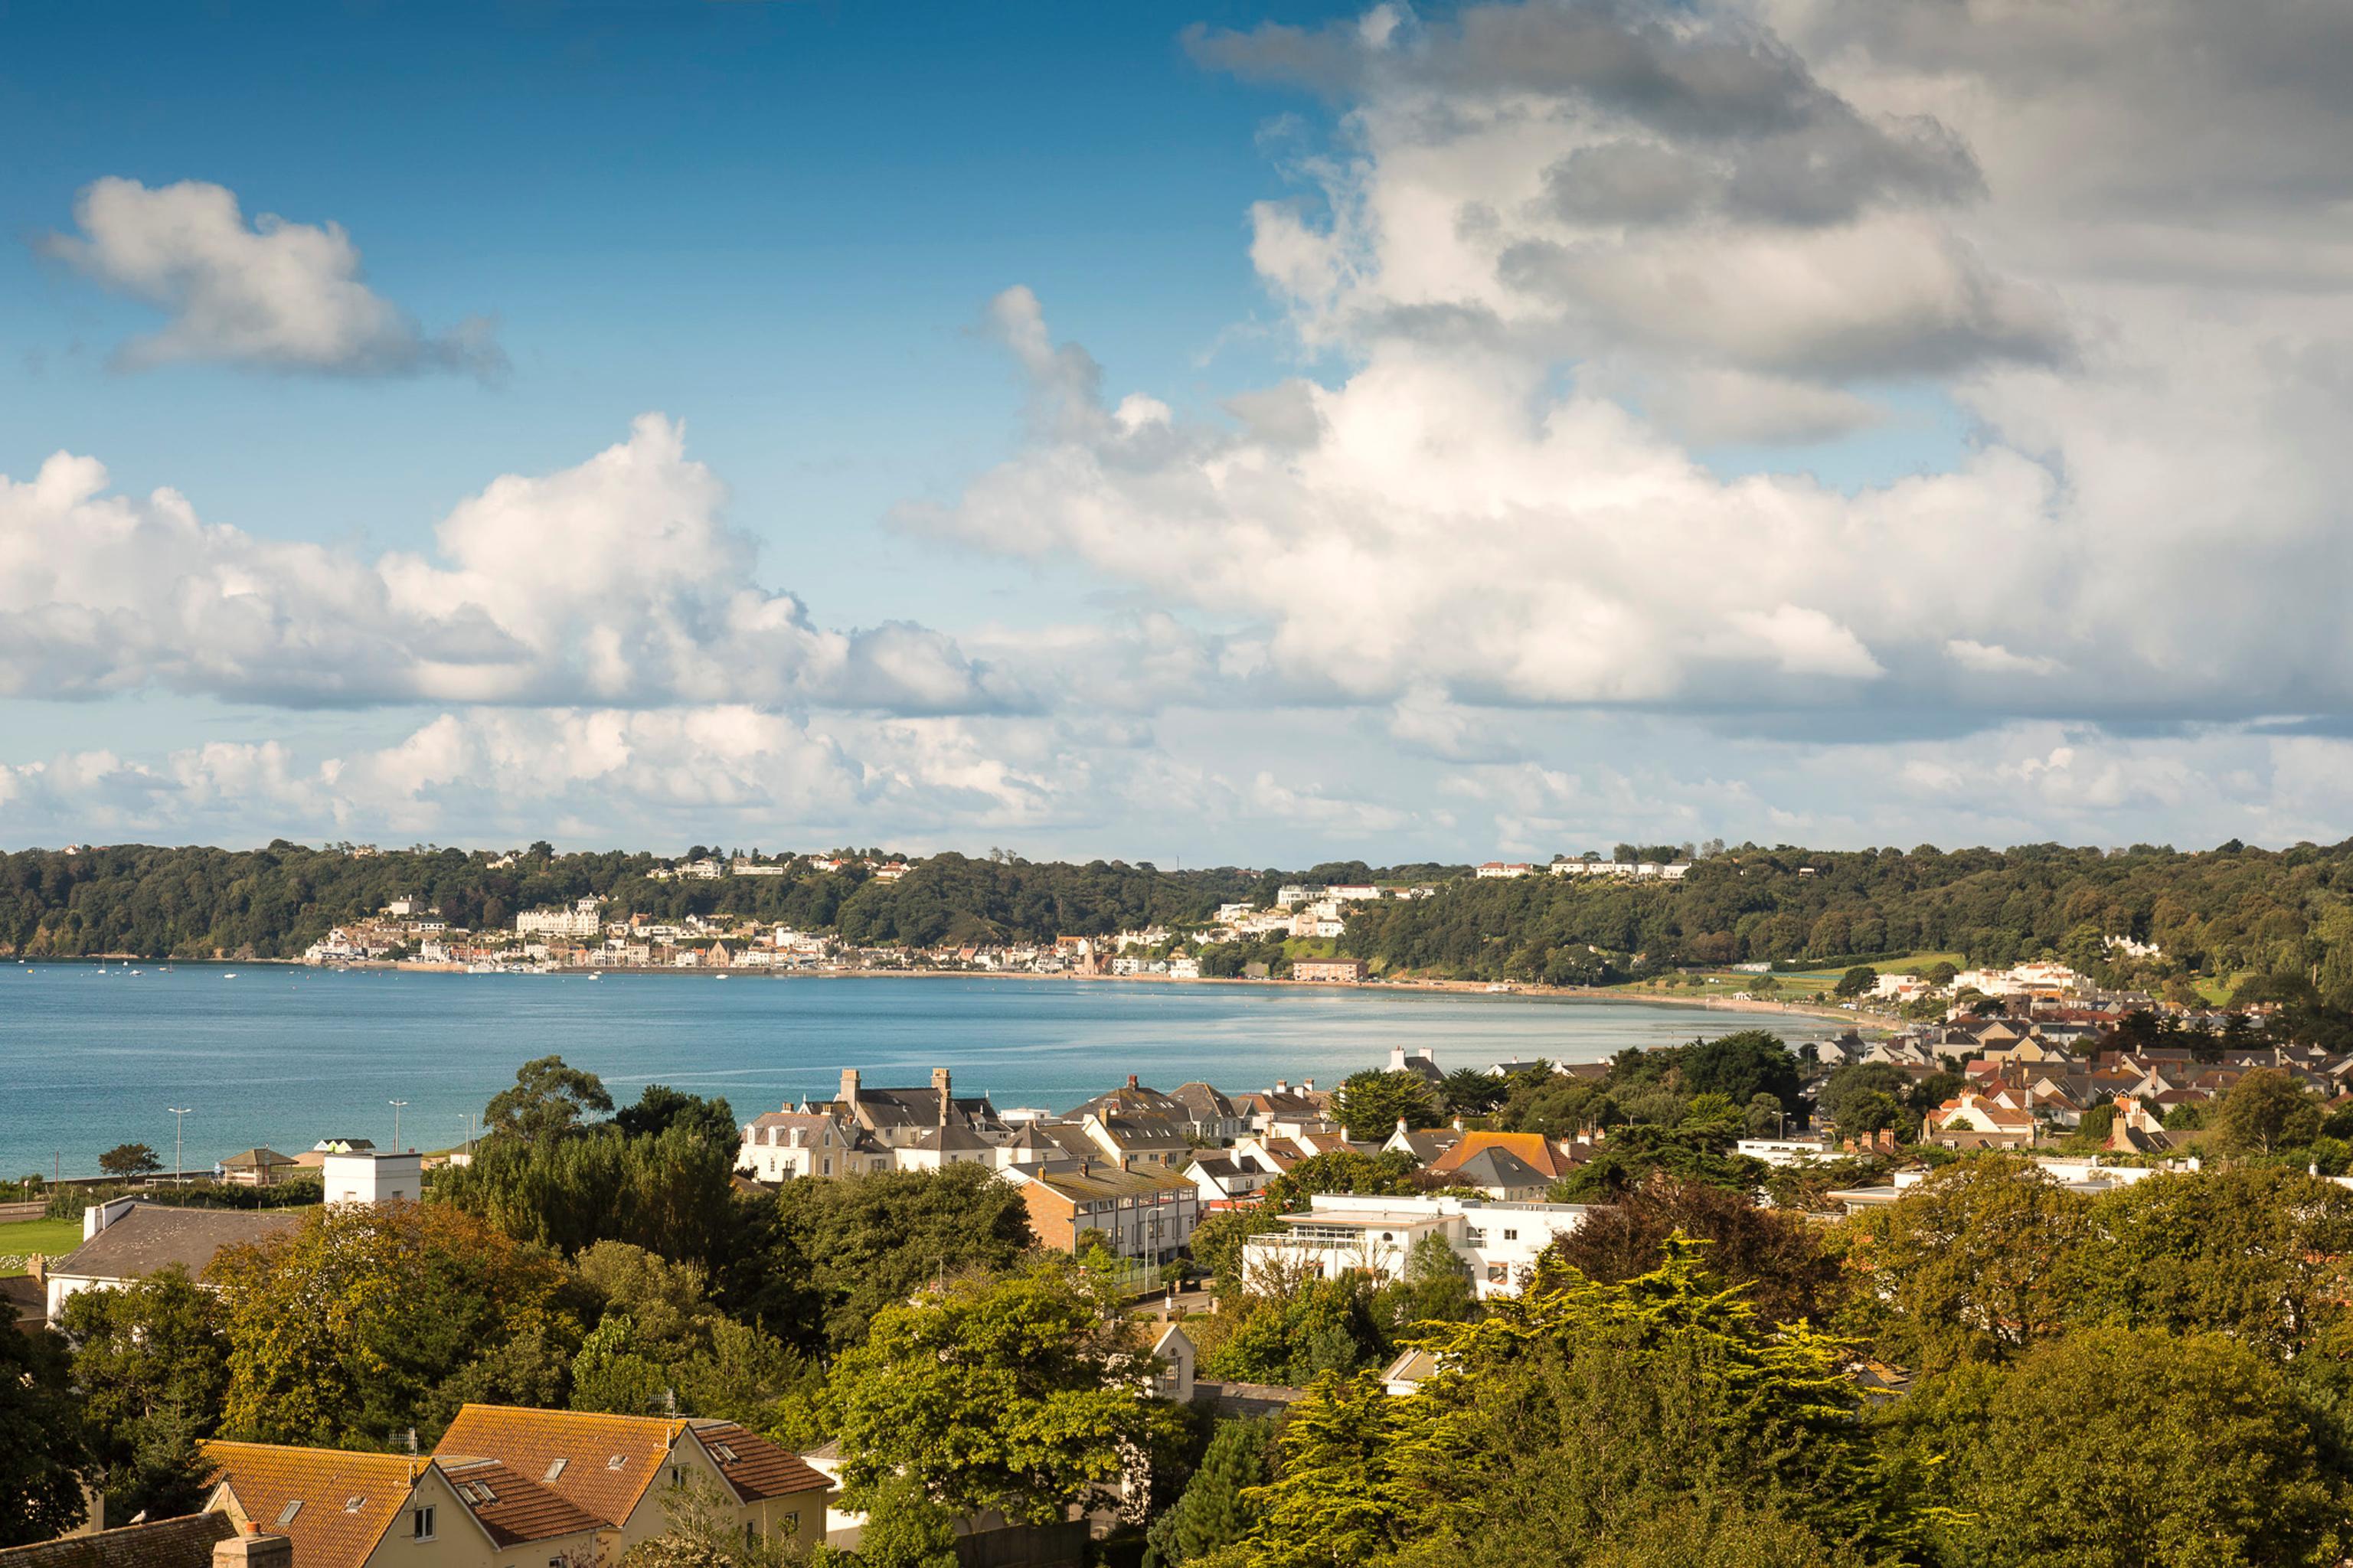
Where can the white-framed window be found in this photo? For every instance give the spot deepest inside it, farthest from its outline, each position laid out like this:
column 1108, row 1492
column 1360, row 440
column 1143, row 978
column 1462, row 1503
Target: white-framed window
column 420, row 1523
column 1511, row 1236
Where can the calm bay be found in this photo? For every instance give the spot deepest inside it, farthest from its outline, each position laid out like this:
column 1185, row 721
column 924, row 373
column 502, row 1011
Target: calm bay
column 282, row 1057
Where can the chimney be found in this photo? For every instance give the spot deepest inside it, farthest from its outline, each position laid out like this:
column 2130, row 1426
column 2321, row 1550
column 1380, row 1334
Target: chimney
column 1308, row 1087
column 849, row 1095
column 1397, row 1058
column 1280, row 1086
column 254, row 1552
column 1427, row 1055
column 1131, row 1081
column 940, row 1088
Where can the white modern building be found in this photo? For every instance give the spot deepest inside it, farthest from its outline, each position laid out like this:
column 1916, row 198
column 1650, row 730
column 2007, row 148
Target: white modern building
column 374, row 1178
column 1342, row 1234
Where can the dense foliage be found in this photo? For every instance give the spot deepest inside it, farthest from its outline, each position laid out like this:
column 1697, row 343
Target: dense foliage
column 272, row 903
column 2216, row 913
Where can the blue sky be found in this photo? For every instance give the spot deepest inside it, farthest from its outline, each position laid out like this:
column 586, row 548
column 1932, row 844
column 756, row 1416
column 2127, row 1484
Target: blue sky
column 1833, row 456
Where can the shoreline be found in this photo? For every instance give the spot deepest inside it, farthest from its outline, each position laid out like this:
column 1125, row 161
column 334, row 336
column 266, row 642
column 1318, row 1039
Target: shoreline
column 1514, row 991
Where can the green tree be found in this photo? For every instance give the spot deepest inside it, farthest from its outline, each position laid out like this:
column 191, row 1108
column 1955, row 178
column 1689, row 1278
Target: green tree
column 614, row 1374
column 342, row 1330
column 44, row 1456
column 1854, row 1079
column 547, row 1101
column 1974, row 1261
column 905, row 1529
column 661, row 1107
column 2190, row 1452
column 1217, row 1242
column 1436, row 1287
column 1288, row 1331
column 1776, row 1259
column 2254, row 1252
column 2267, row 1111
column 1856, row 981
column 1027, row 1393
column 850, row 1247
column 152, row 1364
column 1371, row 1104
column 1740, row 1067
column 1340, row 1498
column 1471, row 1091
column 129, row 1160
column 1213, row 1512
column 1389, row 1175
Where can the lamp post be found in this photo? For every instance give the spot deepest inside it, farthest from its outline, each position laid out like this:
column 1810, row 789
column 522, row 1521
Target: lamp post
column 179, row 1120
column 395, row 1105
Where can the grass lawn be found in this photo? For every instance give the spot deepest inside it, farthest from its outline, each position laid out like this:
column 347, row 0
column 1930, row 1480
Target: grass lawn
column 50, row 1237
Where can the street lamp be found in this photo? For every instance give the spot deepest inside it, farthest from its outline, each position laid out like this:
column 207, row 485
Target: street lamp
column 179, row 1163
column 395, row 1105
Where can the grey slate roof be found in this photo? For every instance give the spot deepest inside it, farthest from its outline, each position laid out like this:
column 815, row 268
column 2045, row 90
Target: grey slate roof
column 185, row 1543
column 151, row 1238
column 1497, row 1168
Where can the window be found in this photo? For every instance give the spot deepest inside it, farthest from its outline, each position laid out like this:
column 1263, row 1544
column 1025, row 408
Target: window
column 285, row 1515
column 420, row 1524
column 1511, row 1236
column 726, row 1455
column 354, row 1504
column 556, row 1467
column 617, row 1461
column 1498, row 1274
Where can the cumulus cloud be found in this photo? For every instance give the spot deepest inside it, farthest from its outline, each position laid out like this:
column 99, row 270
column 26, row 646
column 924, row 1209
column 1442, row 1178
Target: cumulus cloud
column 617, row 582
column 271, row 294
column 1556, row 244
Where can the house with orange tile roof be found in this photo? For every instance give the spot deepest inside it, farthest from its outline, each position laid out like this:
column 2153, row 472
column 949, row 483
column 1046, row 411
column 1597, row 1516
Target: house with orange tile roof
column 342, row 1509
column 1532, row 1149
column 620, row 1469
column 1972, row 1121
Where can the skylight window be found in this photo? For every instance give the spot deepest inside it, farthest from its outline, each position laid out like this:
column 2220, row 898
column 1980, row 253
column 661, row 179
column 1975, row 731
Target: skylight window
column 354, row 1504
column 556, row 1467
column 726, row 1455
column 285, row 1515
column 617, row 1461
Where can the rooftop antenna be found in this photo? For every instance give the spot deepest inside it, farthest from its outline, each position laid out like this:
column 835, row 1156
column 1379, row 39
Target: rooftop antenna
column 395, row 1105
column 179, row 1172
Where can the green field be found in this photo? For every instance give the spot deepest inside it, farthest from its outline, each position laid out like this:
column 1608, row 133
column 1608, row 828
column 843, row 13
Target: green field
column 50, row 1237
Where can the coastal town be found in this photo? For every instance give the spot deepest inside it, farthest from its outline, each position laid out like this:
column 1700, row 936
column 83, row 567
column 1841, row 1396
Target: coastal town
column 586, row 935
column 1203, row 1228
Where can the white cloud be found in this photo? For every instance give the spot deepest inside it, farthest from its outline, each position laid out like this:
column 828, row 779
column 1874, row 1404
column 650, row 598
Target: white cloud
column 275, row 295
column 1556, row 241
column 619, row 582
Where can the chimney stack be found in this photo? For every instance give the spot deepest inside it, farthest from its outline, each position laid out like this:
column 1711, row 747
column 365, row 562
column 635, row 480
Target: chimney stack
column 254, row 1552
column 849, row 1086
column 940, row 1088
column 1131, row 1081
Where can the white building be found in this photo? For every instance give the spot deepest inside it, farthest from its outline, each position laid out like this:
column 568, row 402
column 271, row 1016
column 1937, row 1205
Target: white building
column 580, row 919
column 1493, row 868
column 1342, row 1234
column 130, row 1239
column 373, row 1178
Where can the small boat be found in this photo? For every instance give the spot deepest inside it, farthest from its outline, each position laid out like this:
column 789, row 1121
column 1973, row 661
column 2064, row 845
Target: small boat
column 230, row 976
